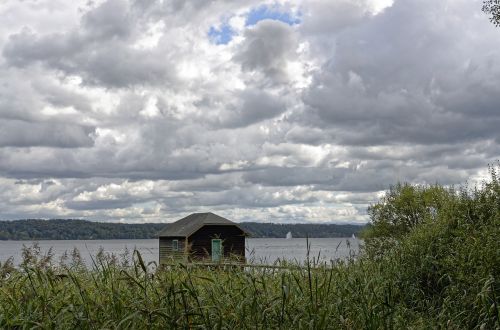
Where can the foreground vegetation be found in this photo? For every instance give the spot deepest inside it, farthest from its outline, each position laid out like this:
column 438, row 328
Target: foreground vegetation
column 432, row 260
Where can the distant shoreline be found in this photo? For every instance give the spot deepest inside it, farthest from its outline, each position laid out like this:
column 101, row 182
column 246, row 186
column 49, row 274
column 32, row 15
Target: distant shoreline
column 74, row 229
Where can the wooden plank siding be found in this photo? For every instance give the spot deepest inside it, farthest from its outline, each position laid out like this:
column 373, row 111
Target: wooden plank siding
column 167, row 254
column 233, row 242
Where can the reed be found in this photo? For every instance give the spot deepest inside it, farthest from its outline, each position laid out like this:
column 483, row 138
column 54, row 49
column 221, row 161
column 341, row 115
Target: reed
column 346, row 294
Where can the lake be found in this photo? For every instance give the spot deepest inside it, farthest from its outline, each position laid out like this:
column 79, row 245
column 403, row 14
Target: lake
column 258, row 250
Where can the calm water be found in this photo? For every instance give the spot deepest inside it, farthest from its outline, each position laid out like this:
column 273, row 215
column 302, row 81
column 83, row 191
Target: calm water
column 259, row 250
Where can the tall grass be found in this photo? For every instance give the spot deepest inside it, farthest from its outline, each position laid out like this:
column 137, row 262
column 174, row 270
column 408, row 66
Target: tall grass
column 441, row 272
column 346, row 294
column 112, row 295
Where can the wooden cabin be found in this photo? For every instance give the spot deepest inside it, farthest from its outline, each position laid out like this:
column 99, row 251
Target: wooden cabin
column 202, row 237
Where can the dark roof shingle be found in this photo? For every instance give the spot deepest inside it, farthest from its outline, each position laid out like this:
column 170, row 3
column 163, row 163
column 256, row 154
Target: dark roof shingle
column 190, row 224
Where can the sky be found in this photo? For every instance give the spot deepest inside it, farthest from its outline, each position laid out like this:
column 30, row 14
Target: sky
column 271, row 111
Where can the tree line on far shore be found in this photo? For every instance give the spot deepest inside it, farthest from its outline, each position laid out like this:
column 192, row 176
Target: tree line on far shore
column 73, row 229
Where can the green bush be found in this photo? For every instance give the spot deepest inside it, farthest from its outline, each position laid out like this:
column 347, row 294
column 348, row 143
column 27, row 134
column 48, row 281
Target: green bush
column 445, row 244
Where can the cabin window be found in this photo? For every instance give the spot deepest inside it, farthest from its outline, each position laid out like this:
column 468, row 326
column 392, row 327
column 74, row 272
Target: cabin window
column 175, row 245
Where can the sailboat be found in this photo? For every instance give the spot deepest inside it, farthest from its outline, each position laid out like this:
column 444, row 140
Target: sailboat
column 289, row 235
column 353, row 236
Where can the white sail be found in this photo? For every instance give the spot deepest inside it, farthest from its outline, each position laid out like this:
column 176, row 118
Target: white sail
column 289, row 235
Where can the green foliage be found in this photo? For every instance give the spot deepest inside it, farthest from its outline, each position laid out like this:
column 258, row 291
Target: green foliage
column 446, row 246
column 274, row 230
column 492, row 7
column 35, row 229
column 404, row 207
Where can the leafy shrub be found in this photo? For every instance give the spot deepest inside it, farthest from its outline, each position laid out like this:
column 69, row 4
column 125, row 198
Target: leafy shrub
column 445, row 244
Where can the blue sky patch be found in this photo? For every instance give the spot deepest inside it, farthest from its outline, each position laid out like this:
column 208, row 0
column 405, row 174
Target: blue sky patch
column 265, row 12
column 221, row 35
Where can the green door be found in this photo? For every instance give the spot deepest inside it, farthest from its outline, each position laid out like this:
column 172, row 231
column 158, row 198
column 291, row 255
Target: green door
column 216, row 250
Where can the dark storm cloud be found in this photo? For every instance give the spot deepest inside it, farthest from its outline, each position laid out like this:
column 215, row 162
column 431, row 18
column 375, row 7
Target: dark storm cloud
column 209, row 183
column 423, row 82
column 279, row 176
column 100, row 50
column 307, row 135
column 111, row 19
column 329, row 17
column 252, row 107
column 266, row 48
column 112, row 63
column 14, row 133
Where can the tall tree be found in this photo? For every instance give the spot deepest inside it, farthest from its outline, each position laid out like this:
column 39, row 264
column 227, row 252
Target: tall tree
column 492, row 7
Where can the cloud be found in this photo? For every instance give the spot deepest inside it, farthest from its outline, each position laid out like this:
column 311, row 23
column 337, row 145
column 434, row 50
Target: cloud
column 100, row 50
column 127, row 110
column 296, row 176
column 418, row 83
column 252, row 106
column 330, row 17
column 267, row 48
column 109, row 20
column 112, row 64
column 14, row 133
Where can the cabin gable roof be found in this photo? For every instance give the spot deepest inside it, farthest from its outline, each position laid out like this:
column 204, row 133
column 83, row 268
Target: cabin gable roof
column 187, row 226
